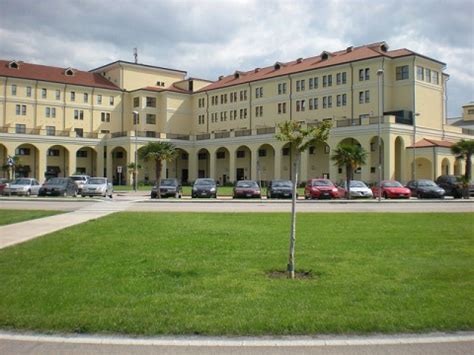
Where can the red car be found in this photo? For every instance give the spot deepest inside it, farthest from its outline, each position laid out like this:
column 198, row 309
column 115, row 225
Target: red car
column 320, row 188
column 3, row 184
column 247, row 189
column 391, row 189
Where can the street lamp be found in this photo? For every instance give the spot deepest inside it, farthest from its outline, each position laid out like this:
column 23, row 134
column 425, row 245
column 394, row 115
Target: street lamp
column 135, row 123
column 414, row 149
column 380, row 74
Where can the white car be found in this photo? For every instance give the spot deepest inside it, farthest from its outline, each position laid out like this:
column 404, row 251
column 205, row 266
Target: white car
column 97, row 186
column 23, row 187
column 358, row 189
column 80, row 181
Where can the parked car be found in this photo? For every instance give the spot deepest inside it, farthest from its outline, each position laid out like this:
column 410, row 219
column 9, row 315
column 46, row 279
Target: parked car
column 3, row 183
column 246, row 189
column 358, row 189
column 204, row 188
column 423, row 188
column 22, row 186
column 391, row 189
column 80, row 181
column 167, row 188
column 97, row 186
column 453, row 186
column 320, row 189
column 58, row 187
column 280, row 189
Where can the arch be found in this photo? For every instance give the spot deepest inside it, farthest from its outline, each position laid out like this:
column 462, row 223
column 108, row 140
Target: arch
column 399, row 149
column 458, row 167
column 286, row 162
column 57, row 162
column 204, row 163
column 4, row 173
column 178, row 168
column 445, row 167
column 28, row 164
column 341, row 173
column 243, row 163
column 119, row 159
column 265, row 163
column 319, row 160
column 86, row 161
column 375, row 157
column 424, row 169
column 222, row 165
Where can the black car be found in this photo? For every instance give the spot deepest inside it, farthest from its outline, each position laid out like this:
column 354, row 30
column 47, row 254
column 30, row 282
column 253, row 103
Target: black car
column 453, row 186
column 58, row 187
column 167, row 188
column 204, row 188
column 425, row 189
column 280, row 189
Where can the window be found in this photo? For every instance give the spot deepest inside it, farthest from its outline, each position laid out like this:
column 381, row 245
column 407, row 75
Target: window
column 99, row 99
column 344, row 78
column 50, row 130
column 13, row 90
column 79, row 114
column 73, row 96
column 325, row 102
column 361, row 97
column 104, row 131
column 281, row 88
column 401, row 72
column 44, row 93
column 20, row 128
column 150, row 101
column 21, row 110
column 367, row 96
column 428, row 75
column 316, row 83
column 325, row 81
column 220, row 155
column 80, row 133
column 111, row 100
column 28, row 91
column 285, row 151
column 241, row 154
column 86, row 97
column 435, row 77
column 150, row 118
column 58, row 94
column 470, row 112
column 367, row 73
column 262, row 152
column 81, row 154
column 22, row 151
column 259, row 92
column 118, row 155
column 53, row 153
column 53, row 112
column 302, row 85
column 329, row 101
column 136, row 119
column 330, row 80
column 361, row 74
column 298, row 106
column 298, row 86
column 420, row 73
column 310, row 84
column 338, row 79
column 47, row 112
column 344, row 99
column 150, row 134
column 105, row 116
column 243, row 95
column 315, row 103
column 258, row 111
column 338, row 100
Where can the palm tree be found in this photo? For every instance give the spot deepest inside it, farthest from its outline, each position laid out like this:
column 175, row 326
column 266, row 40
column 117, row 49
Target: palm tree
column 464, row 149
column 158, row 152
column 299, row 139
column 349, row 157
column 133, row 171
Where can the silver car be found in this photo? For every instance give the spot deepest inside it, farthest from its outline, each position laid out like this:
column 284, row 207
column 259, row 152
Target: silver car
column 97, row 186
column 23, row 187
column 80, row 181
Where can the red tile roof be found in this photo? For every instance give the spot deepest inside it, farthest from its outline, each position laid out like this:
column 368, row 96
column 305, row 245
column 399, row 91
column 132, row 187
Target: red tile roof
column 351, row 54
column 426, row 143
column 55, row 75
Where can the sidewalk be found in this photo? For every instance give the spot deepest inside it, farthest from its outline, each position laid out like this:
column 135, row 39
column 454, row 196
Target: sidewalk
column 17, row 233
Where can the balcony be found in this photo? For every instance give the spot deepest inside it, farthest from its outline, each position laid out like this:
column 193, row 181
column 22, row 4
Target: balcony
column 243, row 132
column 183, row 137
column 219, row 135
column 118, row 134
column 204, row 136
column 266, row 130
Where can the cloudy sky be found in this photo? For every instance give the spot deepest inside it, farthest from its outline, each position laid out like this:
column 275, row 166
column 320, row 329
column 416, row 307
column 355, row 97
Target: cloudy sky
column 208, row 38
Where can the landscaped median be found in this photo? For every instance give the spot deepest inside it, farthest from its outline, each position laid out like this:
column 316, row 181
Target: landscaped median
column 16, row 216
column 196, row 273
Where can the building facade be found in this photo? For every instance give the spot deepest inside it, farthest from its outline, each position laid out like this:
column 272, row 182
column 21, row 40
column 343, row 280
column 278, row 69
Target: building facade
column 61, row 121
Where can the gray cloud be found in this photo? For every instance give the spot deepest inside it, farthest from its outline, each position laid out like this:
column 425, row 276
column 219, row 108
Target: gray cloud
column 211, row 37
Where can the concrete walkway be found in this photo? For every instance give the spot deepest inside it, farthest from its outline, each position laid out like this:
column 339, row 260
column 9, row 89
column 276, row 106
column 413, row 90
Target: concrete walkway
column 17, row 233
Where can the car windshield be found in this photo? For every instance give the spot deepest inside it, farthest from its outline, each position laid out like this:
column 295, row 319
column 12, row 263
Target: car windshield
column 22, row 182
column 246, row 184
column 322, row 183
column 392, row 184
column 97, row 181
column 204, row 182
column 355, row 183
column 426, row 183
column 282, row 184
column 56, row 181
column 78, row 178
column 168, row 182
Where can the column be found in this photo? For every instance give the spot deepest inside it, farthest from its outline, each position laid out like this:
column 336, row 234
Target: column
column 127, row 174
column 212, row 164
column 192, row 165
column 99, row 163
column 232, row 165
column 277, row 162
column 303, row 172
column 109, row 163
column 41, row 161
column 365, row 169
column 72, row 162
column 388, row 170
column 253, row 164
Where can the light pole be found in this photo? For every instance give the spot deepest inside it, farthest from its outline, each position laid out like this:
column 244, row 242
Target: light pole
column 414, row 149
column 135, row 123
column 379, row 145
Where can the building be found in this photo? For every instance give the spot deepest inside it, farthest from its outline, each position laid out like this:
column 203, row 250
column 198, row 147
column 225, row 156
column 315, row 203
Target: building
column 61, row 121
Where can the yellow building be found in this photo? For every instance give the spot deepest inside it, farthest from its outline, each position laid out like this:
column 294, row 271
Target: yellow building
column 61, row 121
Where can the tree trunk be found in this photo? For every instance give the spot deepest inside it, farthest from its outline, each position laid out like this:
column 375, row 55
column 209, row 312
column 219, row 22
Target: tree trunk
column 158, row 167
column 348, row 180
column 468, row 166
column 291, row 258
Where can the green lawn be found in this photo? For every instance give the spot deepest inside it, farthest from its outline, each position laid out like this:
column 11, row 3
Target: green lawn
column 196, row 273
column 15, row 216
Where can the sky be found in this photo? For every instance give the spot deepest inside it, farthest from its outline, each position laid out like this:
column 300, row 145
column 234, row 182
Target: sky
column 209, row 38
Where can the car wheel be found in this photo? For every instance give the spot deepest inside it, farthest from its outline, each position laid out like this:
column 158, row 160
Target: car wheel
column 83, row 195
column 65, row 194
column 419, row 196
column 385, row 196
column 110, row 196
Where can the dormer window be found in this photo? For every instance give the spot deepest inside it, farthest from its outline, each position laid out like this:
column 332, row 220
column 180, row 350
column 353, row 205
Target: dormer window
column 278, row 65
column 257, row 70
column 238, row 74
column 325, row 55
column 384, row 47
column 14, row 65
column 299, row 60
column 69, row 72
column 349, row 49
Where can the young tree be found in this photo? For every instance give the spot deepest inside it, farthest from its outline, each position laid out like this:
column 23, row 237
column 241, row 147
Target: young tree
column 349, row 157
column 158, row 152
column 299, row 139
column 13, row 162
column 133, row 171
column 464, row 149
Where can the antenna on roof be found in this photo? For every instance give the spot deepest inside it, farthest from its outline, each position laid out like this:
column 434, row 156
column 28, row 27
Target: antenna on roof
column 135, row 54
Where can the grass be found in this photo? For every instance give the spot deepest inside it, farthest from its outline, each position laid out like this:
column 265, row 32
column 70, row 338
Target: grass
column 15, row 216
column 196, row 273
